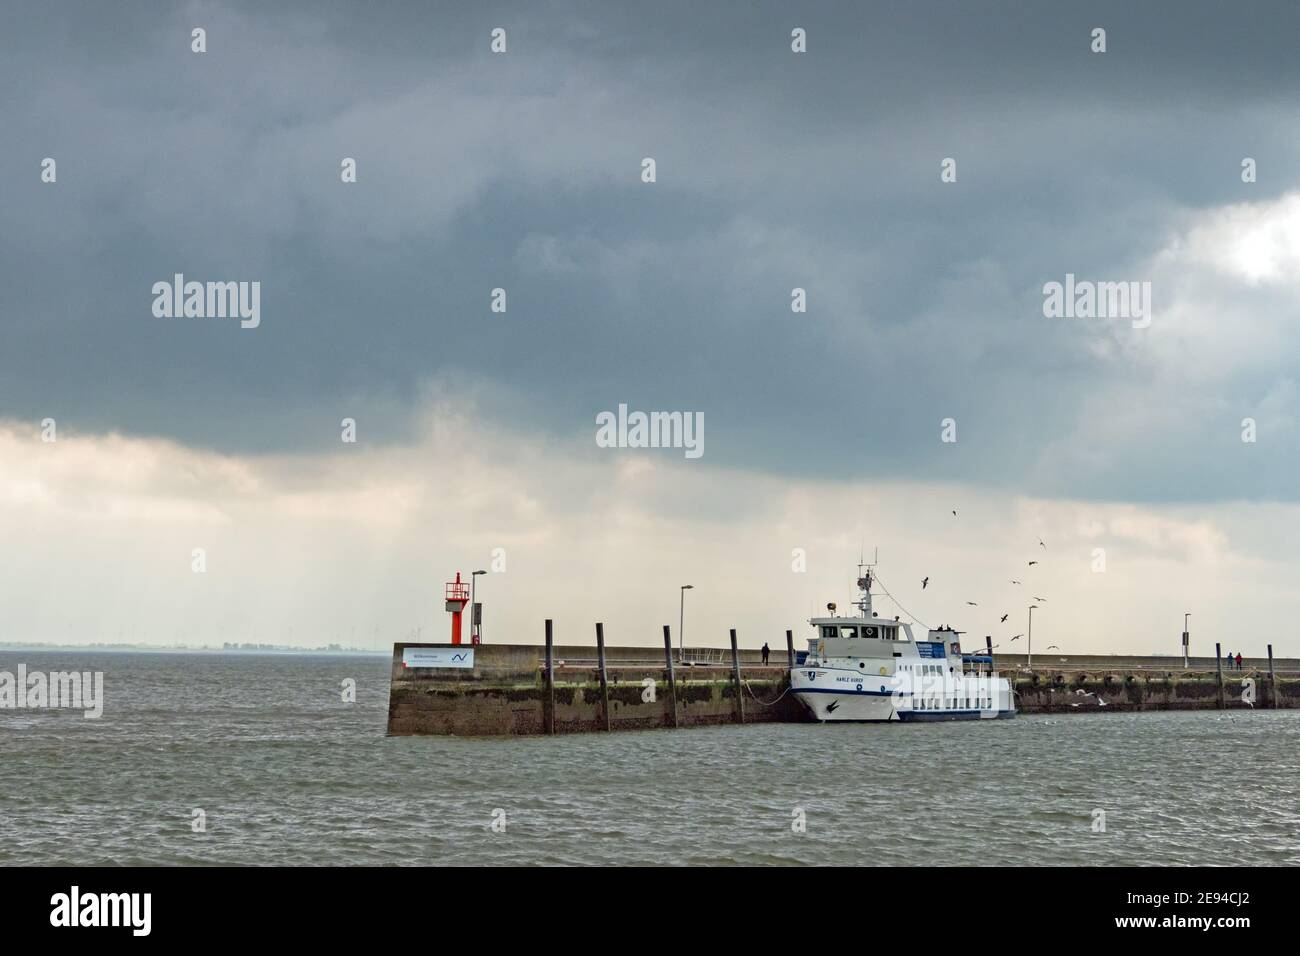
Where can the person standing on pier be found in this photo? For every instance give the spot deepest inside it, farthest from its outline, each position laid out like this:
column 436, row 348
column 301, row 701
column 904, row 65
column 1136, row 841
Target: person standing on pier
column 766, row 651
column 1238, row 660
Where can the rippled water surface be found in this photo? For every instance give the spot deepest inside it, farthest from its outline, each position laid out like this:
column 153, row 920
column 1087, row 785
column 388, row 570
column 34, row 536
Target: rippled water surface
column 286, row 772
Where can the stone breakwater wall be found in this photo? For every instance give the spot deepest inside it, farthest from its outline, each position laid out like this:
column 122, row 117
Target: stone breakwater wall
column 510, row 690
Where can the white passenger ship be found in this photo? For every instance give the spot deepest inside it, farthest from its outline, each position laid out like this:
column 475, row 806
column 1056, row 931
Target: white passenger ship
column 868, row 668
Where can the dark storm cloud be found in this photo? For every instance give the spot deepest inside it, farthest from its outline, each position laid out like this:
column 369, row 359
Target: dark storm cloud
column 522, row 171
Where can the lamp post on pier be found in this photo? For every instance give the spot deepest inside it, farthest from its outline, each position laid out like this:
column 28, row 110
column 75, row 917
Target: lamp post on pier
column 1029, row 658
column 475, row 627
column 681, row 625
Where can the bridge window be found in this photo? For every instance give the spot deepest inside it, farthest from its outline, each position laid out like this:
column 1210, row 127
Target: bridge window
column 848, row 632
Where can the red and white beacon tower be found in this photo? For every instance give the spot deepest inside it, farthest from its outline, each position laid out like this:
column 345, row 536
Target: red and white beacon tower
column 457, row 598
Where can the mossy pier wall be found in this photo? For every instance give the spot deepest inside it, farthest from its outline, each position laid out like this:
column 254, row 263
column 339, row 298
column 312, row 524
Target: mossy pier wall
column 1079, row 684
column 507, row 691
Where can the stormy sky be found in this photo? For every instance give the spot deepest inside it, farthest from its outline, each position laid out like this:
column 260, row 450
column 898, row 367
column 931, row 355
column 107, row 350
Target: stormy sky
column 522, row 170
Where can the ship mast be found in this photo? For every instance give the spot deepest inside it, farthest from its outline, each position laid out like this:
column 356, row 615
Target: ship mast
column 864, row 585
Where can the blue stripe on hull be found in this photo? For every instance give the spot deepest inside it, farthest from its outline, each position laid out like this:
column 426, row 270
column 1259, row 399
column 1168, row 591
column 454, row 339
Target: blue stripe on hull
column 949, row 715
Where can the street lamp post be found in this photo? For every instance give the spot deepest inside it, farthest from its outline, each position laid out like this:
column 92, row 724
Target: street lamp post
column 1029, row 658
column 475, row 634
column 1185, row 639
column 681, row 624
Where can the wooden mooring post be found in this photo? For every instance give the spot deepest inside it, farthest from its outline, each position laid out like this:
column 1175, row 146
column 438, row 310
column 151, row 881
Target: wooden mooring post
column 604, row 678
column 550, row 679
column 672, row 674
column 789, row 647
column 735, row 679
column 1272, row 678
column 1218, row 666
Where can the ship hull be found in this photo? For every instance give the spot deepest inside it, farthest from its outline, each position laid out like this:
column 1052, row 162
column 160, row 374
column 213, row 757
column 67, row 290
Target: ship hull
column 830, row 706
column 850, row 695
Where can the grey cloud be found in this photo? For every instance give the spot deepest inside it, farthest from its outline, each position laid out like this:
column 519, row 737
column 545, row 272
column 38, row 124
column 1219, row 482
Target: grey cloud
column 520, row 171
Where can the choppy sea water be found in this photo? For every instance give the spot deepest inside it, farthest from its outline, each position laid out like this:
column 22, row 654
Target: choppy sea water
column 286, row 772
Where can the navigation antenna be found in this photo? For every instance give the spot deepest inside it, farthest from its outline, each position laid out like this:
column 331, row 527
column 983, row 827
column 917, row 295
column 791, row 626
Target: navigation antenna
column 864, row 584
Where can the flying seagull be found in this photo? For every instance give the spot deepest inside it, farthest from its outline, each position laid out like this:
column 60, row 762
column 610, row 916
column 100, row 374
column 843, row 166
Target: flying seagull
column 1040, row 544
column 1017, row 637
column 924, row 582
column 1053, row 647
column 954, row 512
column 1015, row 581
column 1004, row 618
column 1037, row 598
column 972, row 604
column 1032, row 563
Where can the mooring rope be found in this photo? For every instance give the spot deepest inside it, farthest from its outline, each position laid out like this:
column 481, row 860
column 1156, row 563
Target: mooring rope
column 764, row 702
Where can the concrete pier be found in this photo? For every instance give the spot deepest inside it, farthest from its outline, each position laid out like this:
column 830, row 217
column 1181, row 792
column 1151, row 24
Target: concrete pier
column 510, row 689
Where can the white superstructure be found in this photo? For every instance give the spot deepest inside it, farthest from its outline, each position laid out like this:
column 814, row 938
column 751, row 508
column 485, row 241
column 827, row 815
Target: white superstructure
column 870, row 668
